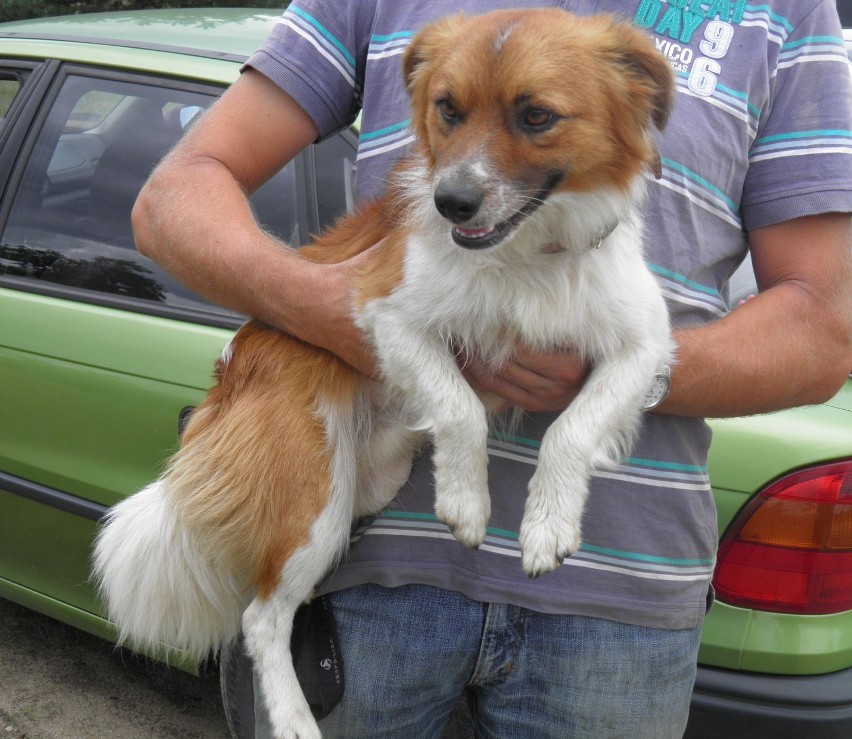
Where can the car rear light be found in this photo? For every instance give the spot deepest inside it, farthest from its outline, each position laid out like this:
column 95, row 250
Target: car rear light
column 790, row 550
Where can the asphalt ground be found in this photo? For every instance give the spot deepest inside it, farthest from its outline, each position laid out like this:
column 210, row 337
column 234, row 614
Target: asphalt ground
column 57, row 682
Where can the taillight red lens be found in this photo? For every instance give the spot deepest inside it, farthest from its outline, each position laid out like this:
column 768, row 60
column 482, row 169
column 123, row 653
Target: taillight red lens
column 790, row 550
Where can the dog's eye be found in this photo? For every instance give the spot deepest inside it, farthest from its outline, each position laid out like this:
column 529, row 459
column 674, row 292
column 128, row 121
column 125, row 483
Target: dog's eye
column 448, row 111
column 537, row 119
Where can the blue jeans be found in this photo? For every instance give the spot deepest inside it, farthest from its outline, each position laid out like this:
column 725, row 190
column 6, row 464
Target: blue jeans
column 409, row 653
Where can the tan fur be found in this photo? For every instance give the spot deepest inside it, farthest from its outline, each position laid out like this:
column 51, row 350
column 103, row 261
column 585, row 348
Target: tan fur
column 383, row 270
column 354, row 233
column 258, row 427
column 379, row 223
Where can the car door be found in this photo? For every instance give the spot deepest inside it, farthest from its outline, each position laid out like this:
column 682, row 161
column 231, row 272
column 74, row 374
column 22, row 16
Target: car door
column 100, row 351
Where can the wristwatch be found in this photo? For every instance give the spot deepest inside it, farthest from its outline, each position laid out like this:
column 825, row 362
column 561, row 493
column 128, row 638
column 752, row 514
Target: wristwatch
column 659, row 391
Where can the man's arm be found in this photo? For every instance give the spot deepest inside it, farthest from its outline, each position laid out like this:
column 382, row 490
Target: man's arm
column 791, row 345
column 194, row 219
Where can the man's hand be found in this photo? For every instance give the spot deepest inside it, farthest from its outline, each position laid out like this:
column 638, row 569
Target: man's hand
column 532, row 380
column 327, row 321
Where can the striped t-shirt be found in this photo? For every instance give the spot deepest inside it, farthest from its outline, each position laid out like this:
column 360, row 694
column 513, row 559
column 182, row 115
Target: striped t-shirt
column 760, row 134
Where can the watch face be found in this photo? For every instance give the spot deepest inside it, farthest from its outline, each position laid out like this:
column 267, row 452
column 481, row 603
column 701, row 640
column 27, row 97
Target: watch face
column 659, row 390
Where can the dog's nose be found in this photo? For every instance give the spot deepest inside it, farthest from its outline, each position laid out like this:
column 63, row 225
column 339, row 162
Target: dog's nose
column 458, row 203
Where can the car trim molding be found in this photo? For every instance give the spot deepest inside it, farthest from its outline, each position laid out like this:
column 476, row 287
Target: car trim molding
column 50, row 496
column 762, row 704
column 119, row 302
column 127, row 44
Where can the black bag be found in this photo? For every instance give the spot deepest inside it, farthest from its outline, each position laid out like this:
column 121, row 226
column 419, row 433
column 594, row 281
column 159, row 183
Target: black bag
column 317, row 657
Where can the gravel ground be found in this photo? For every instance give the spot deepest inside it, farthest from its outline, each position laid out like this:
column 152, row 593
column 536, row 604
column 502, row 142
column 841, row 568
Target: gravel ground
column 57, row 682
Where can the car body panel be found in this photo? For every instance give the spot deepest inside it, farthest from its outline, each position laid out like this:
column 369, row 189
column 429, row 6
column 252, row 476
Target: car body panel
column 234, row 30
column 98, row 396
column 185, row 66
column 83, row 337
column 96, row 401
column 785, row 644
column 169, row 42
column 56, row 568
column 749, row 452
column 150, row 40
column 777, row 643
column 61, row 610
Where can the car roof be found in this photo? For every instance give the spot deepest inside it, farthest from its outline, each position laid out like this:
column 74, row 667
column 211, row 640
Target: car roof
column 146, row 39
column 207, row 31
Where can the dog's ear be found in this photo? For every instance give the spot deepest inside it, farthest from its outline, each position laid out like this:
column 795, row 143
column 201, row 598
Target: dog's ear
column 649, row 68
column 429, row 45
column 652, row 83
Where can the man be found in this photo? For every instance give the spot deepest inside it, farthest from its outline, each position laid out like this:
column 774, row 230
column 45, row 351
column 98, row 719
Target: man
column 753, row 158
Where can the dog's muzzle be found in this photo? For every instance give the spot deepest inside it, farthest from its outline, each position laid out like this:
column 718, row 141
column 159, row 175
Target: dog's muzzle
column 461, row 204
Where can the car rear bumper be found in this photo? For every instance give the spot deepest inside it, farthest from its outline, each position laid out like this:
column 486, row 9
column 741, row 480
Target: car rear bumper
column 730, row 704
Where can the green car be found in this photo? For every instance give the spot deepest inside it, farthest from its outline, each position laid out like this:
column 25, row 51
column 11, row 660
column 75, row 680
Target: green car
column 101, row 353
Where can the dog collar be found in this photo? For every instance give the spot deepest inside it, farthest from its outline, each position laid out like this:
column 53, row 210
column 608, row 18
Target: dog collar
column 604, row 235
column 555, row 247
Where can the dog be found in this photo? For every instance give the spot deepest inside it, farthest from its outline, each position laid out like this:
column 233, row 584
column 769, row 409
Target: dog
column 514, row 219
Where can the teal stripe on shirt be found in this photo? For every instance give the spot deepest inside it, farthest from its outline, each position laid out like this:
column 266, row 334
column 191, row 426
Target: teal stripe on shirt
column 326, row 34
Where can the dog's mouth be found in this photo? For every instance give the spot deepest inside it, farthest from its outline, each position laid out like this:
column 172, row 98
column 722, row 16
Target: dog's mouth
column 481, row 238
column 485, row 237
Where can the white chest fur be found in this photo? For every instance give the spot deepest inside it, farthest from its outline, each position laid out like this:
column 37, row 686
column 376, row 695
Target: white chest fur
column 549, row 285
column 546, row 287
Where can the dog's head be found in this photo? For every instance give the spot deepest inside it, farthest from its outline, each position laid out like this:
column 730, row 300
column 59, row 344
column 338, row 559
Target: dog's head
column 512, row 107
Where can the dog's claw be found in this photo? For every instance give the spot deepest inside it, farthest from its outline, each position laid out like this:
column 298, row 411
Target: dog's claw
column 464, row 538
column 545, row 548
column 471, row 535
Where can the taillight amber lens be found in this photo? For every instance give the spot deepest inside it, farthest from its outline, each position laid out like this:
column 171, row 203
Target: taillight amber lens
column 790, row 550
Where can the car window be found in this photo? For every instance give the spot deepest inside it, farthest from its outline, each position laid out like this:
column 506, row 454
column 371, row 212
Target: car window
column 743, row 282
column 9, row 86
column 69, row 224
column 844, row 8
column 334, row 165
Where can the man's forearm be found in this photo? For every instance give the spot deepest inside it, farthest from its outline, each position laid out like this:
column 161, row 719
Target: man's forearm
column 784, row 348
column 193, row 219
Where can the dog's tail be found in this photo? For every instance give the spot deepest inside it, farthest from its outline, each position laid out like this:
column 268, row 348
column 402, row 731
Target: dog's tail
column 178, row 562
column 157, row 582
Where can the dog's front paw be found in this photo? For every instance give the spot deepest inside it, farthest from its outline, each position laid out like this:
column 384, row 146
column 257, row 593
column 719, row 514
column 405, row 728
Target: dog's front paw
column 300, row 725
column 461, row 492
column 466, row 513
column 545, row 543
column 550, row 529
